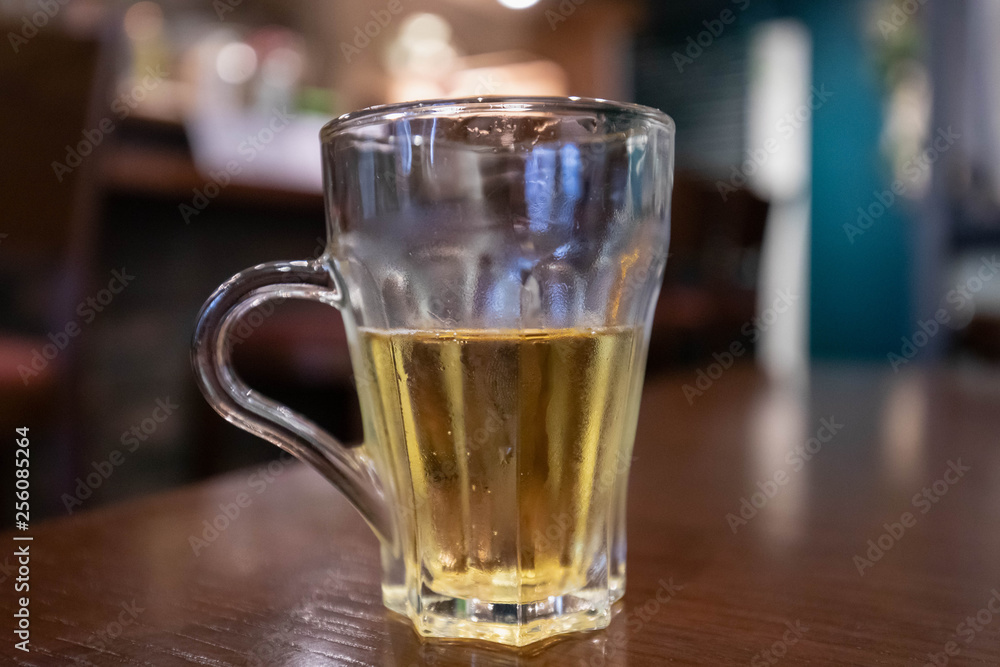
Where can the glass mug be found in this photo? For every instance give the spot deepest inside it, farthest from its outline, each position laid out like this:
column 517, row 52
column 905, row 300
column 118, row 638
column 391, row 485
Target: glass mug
column 496, row 262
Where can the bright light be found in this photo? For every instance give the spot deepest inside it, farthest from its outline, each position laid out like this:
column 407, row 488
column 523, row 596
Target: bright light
column 424, row 28
column 423, row 49
column 236, row 62
column 518, row 4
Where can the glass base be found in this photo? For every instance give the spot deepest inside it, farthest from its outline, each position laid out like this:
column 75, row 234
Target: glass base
column 445, row 617
column 616, row 586
column 394, row 598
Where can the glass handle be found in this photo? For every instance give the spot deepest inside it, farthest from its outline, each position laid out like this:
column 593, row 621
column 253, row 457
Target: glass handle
column 211, row 356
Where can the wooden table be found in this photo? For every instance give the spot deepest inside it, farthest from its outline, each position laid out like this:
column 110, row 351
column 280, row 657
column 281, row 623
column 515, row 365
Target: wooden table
column 293, row 580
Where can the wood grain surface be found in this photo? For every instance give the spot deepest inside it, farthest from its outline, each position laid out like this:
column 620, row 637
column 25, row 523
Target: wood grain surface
column 293, row 579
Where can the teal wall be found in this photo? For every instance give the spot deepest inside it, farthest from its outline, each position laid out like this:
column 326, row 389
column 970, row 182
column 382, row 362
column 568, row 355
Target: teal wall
column 860, row 292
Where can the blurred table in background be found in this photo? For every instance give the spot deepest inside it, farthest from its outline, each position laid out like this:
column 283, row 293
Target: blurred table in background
column 171, row 174
column 154, row 159
column 293, row 580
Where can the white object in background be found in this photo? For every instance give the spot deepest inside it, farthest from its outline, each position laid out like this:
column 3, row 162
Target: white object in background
column 421, row 58
column 518, row 4
column 780, row 102
column 982, row 95
column 279, row 149
column 507, row 74
column 276, row 147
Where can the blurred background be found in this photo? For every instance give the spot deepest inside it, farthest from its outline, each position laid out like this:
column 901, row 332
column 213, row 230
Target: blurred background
column 837, row 198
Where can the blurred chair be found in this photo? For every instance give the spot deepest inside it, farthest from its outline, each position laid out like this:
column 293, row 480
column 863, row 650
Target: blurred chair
column 55, row 87
column 710, row 285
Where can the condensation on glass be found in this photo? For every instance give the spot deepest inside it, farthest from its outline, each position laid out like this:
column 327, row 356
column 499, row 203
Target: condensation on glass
column 496, row 262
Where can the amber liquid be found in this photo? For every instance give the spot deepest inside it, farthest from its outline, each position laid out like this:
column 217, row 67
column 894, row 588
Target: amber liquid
column 504, row 447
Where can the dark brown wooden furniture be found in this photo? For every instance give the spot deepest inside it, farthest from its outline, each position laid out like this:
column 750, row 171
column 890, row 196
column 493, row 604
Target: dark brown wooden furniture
column 54, row 117
column 293, row 580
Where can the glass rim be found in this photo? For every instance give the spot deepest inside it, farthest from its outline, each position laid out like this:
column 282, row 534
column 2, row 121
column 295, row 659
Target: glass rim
column 454, row 106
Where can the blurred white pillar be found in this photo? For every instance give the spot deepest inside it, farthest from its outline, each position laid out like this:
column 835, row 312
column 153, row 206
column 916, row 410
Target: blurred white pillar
column 779, row 119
